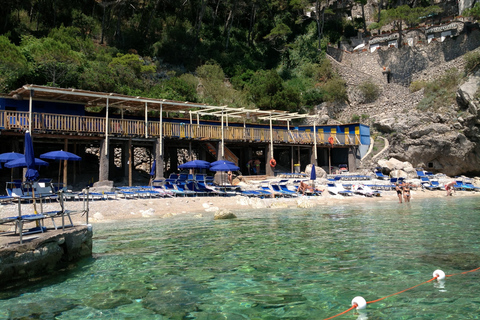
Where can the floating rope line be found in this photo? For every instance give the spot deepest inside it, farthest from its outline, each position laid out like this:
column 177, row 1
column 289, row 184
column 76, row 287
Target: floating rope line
column 360, row 303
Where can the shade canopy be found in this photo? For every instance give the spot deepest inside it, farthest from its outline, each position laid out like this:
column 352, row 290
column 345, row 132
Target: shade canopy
column 21, row 162
column 9, row 156
column 195, row 164
column 225, row 166
column 60, row 155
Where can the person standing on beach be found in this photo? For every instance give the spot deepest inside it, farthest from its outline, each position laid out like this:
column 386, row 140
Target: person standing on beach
column 406, row 192
column 250, row 167
column 257, row 165
column 399, row 191
column 449, row 188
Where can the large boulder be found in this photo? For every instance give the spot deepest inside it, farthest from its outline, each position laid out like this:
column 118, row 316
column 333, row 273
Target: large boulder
column 224, row 214
column 320, row 172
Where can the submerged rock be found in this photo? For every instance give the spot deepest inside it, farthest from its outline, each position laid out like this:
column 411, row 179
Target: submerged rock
column 457, row 261
column 224, row 214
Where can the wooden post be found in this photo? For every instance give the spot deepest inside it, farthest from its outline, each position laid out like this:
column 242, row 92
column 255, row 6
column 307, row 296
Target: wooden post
column 130, row 162
column 65, row 168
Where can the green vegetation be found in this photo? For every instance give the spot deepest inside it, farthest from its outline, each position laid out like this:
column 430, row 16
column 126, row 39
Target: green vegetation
column 472, row 60
column 404, row 14
column 417, row 85
column 473, row 12
column 370, row 91
column 256, row 54
column 441, row 92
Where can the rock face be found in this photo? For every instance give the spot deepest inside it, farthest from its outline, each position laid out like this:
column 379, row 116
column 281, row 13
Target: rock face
column 44, row 255
column 440, row 139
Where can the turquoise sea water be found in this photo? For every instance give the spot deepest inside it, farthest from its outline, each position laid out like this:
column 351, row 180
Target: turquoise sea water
column 272, row 264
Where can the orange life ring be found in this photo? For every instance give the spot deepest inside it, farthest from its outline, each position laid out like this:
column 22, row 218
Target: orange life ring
column 273, row 163
column 330, row 140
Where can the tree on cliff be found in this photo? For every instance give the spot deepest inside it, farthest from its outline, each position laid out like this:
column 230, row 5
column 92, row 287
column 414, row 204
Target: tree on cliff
column 411, row 16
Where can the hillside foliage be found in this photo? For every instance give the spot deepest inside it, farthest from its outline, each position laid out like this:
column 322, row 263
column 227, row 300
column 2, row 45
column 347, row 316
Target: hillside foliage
column 266, row 54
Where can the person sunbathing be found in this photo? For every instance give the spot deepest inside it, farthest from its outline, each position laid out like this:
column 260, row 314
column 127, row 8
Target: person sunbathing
column 304, row 187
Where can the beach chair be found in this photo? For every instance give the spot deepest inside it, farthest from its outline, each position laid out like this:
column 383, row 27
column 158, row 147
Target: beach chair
column 366, row 191
column 420, row 174
column 460, row 186
column 288, row 193
column 336, row 189
column 171, row 187
column 471, row 186
column 172, row 178
column 380, row 175
column 193, row 186
column 283, row 187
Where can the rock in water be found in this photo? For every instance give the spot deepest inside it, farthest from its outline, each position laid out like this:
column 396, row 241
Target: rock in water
column 224, row 214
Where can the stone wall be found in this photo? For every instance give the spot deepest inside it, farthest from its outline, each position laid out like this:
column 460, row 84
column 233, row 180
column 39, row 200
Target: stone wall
column 42, row 256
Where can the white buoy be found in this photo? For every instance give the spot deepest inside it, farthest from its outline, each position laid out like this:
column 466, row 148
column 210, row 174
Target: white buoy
column 439, row 274
column 360, row 302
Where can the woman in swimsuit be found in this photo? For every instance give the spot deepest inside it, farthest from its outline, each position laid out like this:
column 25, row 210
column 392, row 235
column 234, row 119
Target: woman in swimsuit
column 406, row 193
column 399, row 192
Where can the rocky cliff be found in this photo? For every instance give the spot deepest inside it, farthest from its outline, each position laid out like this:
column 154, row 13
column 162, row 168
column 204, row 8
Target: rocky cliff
column 441, row 138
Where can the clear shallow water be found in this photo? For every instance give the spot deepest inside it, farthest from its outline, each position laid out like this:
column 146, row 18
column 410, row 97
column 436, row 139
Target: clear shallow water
column 272, row 264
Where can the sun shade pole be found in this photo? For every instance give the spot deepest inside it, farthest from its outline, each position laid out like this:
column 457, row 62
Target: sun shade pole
column 190, row 133
column 271, row 136
column 146, row 119
column 315, row 140
column 223, row 148
column 161, row 129
column 30, row 106
column 106, row 130
column 191, row 123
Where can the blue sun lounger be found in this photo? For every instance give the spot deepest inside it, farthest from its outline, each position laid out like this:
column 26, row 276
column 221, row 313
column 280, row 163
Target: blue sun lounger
column 380, row 175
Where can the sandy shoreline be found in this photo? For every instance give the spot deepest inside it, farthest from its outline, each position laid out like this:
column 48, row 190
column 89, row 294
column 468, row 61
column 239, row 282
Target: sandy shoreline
column 102, row 211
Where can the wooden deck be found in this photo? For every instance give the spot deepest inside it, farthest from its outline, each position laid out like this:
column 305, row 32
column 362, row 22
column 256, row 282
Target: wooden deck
column 86, row 125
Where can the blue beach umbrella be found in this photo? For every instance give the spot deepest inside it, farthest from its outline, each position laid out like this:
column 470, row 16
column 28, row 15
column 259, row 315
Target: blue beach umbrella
column 154, row 168
column 22, row 163
column 214, row 163
column 9, row 156
column 225, row 166
column 152, row 172
column 32, row 173
column 60, row 155
column 313, row 175
column 195, row 164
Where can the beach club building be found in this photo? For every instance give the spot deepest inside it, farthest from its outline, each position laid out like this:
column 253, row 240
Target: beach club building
column 106, row 128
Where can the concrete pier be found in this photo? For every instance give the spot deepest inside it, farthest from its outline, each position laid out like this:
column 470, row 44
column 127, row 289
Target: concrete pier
column 42, row 254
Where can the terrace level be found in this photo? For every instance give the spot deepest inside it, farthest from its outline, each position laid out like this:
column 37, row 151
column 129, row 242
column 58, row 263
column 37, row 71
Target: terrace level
column 59, row 116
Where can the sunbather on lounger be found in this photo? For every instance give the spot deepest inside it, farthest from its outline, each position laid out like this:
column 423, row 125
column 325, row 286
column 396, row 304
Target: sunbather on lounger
column 304, row 187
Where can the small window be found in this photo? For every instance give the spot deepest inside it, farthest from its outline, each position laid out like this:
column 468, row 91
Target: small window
column 430, row 164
